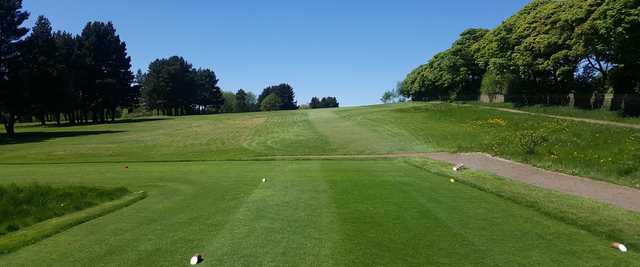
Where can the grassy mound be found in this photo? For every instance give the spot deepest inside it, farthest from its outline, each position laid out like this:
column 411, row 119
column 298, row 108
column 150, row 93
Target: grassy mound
column 599, row 151
column 23, row 206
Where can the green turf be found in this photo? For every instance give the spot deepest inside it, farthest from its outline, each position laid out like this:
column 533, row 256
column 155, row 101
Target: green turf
column 22, row 206
column 309, row 213
column 603, row 152
column 205, row 194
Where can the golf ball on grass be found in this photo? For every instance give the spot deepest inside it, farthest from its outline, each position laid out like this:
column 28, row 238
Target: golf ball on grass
column 452, row 180
column 619, row 246
column 264, row 180
column 196, row 259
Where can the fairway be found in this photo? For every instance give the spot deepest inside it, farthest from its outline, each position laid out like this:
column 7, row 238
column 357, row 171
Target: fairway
column 203, row 176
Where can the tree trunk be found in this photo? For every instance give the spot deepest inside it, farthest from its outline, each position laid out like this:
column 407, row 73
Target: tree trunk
column 9, row 124
column 43, row 117
column 617, row 100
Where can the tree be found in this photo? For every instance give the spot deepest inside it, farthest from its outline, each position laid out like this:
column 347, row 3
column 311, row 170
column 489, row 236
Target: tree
column 229, row 102
column 314, row 103
column 108, row 75
column 329, row 102
column 285, row 94
column 209, row 95
column 170, row 86
column 242, row 101
column 271, row 102
column 609, row 42
column 450, row 75
column 394, row 96
column 68, row 76
column 252, row 102
column 12, row 95
column 41, row 70
column 388, row 97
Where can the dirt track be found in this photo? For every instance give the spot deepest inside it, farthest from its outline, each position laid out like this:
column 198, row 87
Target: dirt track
column 621, row 196
column 610, row 123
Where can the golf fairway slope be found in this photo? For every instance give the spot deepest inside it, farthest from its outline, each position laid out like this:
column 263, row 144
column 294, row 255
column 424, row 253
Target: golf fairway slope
column 203, row 178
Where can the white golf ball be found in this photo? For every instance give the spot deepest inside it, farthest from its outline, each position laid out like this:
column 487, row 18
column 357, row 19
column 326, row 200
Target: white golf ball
column 194, row 260
column 622, row 248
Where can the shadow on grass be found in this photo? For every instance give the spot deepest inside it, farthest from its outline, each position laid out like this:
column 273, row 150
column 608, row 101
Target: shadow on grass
column 34, row 137
column 66, row 124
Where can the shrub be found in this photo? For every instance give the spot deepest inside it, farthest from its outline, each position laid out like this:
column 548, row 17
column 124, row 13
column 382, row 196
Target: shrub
column 529, row 141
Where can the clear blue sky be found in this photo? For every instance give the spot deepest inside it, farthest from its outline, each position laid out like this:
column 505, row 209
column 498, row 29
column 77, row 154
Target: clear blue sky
column 354, row 50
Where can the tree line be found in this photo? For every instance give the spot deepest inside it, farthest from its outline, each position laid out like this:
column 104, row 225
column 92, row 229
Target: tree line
column 48, row 75
column 325, row 102
column 541, row 55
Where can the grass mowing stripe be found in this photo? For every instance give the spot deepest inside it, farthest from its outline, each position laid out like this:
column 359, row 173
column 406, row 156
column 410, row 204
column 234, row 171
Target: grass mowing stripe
column 603, row 220
column 287, row 221
column 42, row 230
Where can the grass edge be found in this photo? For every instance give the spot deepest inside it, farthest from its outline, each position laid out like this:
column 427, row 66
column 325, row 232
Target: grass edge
column 40, row 231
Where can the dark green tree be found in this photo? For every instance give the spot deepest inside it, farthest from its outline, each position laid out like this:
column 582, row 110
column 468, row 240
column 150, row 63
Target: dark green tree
column 40, row 56
column 329, row 102
column 314, row 103
column 170, row 86
column 285, row 94
column 242, row 101
column 209, row 95
column 13, row 98
column 108, row 75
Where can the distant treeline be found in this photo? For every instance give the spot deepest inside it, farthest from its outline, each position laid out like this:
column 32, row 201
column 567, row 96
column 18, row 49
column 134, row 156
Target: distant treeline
column 541, row 55
column 325, row 102
column 56, row 76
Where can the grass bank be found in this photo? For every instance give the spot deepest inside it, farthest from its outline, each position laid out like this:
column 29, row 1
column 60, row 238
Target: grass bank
column 603, row 152
column 25, row 205
column 86, row 210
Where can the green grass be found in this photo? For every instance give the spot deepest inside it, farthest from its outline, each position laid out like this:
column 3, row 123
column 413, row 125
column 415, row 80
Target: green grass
column 22, row 206
column 603, row 152
column 598, row 218
column 309, row 213
column 205, row 195
column 598, row 114
column 34, row 233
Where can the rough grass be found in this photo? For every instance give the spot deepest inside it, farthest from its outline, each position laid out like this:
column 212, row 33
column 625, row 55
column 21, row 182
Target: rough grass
column 603, row 152
column 23, row 206
column 34, row 233
column 598, row 114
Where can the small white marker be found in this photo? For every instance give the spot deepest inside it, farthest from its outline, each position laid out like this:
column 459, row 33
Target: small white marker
column 458, row 167
column 264, row 180
column 452, row 180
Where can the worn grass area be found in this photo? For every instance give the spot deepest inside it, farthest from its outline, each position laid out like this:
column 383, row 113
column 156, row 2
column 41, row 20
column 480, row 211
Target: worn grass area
column 23, row 206
column 603, row 152
column 330, row 213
